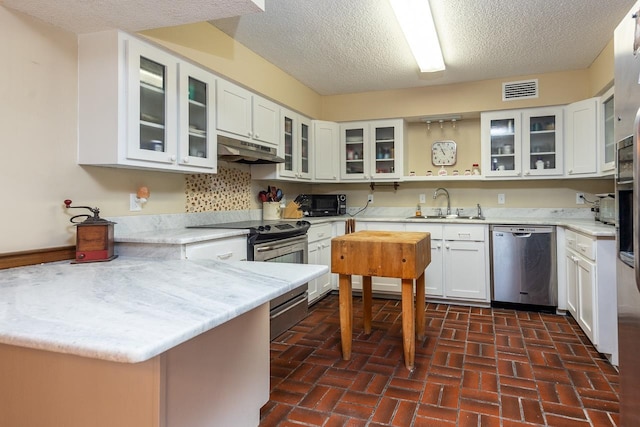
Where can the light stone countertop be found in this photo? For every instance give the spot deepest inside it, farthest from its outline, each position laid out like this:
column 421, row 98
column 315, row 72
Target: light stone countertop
column 181, row 236
column 130, row 310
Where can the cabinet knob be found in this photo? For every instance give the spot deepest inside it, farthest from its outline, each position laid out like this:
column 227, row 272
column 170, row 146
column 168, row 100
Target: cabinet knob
column 249, row 133
column 570, row 170
column 527, row 172
column 172, row 158
column 447, row 246
column 185, row 160
column 438, row 246
column 257, row 135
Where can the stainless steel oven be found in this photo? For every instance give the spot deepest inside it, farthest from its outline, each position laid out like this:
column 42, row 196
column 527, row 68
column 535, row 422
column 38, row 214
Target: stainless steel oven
column 278, row 241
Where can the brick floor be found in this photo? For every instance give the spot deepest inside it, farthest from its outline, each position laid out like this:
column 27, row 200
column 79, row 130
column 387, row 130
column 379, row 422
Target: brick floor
column 476, row 367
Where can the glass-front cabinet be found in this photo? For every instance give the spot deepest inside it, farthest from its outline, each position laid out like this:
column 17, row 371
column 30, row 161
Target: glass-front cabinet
column 197, row 141
column 372, row 150
column 501, row 143
column 608, row 143
column 542, row 142
column 152, row 104
column 142, row 107
column 295, row 145
column 524, row 143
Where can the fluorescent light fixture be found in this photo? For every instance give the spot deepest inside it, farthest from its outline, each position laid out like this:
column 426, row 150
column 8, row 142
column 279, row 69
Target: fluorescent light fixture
column 417, row 24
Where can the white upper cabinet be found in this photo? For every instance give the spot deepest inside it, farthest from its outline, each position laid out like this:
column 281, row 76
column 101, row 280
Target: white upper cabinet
column 137, row 108
column 372, row 150
column 326, row 158
column 582, row 138
column 501, row 140
column 606, row 138
column 522, row 143
column 244, row 115
column 542, row 142
column 295, row 147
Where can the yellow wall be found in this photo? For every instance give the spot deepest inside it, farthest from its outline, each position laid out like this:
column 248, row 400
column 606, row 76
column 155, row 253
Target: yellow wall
column 205, row 44
column 38, row 116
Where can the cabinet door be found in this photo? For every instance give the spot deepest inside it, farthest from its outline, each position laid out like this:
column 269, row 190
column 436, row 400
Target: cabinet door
column 385, row 154
column 542, row 142
column 152, row 103
column 464, row 267
column 288, row 148
column 434, row 274
column 304, row 144
column 313, row 257
column 233, row 109
column 197, row 142
column 324, row 258
column 571, row 263
column 266, row 121
column 353, row 153
column 607, row 141
column 325, row 150
column 501, row 143
column 587, row 303
column 581, row 143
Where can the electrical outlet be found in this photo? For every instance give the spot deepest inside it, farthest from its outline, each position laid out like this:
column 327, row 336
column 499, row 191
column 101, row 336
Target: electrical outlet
column 579, row 198
column 370, row 198
column 501, row 199
column 423, row 198
column 134, row 203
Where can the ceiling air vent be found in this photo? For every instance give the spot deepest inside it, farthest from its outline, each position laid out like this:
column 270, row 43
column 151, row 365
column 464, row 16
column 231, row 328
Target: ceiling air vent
column 520, row 90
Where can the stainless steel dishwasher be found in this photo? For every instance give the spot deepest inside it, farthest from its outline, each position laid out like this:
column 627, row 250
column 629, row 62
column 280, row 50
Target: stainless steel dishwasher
column 524, row 267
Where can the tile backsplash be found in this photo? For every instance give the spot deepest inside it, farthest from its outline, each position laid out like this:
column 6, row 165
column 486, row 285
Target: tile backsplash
column 228, row 190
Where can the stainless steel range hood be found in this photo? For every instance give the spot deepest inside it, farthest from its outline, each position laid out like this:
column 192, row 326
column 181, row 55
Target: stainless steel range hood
column 235, row 150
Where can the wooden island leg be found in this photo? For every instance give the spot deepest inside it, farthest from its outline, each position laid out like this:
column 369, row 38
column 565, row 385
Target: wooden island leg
column 366, row 303
column 420, row 306
column 408, row 323
column 346, row 315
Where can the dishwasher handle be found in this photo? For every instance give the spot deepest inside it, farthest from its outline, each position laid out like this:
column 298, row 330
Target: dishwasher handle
column 522, row 235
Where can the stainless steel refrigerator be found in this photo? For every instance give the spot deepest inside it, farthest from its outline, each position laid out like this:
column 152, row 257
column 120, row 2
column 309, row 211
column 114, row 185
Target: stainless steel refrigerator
column 627, row 113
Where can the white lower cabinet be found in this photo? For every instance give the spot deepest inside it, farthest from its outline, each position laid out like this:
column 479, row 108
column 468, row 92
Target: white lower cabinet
column 229, row 249
column 319, row 236
column 591, row 293
column 459, row 269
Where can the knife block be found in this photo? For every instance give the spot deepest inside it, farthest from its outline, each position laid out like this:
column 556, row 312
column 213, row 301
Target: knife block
column 292, row 211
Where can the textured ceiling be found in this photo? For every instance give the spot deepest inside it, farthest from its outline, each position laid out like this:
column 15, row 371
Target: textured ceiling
column 340, row 46
column 347, row 46
column 84, row 16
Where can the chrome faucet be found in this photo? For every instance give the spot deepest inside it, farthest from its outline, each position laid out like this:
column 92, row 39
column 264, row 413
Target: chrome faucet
column 435, row 195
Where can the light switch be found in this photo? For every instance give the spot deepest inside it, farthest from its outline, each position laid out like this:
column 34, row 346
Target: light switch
column 501, row 199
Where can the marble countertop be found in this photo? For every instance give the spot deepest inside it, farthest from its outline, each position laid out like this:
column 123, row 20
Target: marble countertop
column 181, row 236
column 130, row 310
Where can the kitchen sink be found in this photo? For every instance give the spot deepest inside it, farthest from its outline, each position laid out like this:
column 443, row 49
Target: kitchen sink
column 468, row 217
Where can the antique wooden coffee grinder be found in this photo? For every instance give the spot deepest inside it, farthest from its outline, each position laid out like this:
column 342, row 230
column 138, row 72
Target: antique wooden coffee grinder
column 94, row 236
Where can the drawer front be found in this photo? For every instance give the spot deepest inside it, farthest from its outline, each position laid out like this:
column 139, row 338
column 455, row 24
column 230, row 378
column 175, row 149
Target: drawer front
column 220, row 250
column 586, row 246
column 464, row 232
column 434, row 229
column 319, row 232
column 570, row 239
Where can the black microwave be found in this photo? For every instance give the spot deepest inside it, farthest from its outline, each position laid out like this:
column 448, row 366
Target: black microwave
column 322, row 204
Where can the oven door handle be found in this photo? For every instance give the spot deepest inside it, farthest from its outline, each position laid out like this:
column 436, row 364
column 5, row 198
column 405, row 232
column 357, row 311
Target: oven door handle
column 265, row 248
column 291, row 305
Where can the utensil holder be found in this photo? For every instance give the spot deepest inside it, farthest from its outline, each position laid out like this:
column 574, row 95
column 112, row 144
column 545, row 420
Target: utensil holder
column 270, row 210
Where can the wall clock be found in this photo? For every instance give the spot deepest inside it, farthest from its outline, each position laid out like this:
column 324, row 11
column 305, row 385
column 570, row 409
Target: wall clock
column 444, row 153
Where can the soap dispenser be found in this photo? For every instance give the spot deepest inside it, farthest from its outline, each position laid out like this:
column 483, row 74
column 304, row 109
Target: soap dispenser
column 418, row 210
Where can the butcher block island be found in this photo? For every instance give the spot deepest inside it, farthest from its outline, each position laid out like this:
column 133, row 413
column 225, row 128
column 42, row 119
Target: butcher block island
column 404, row 255
column 138, row 343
